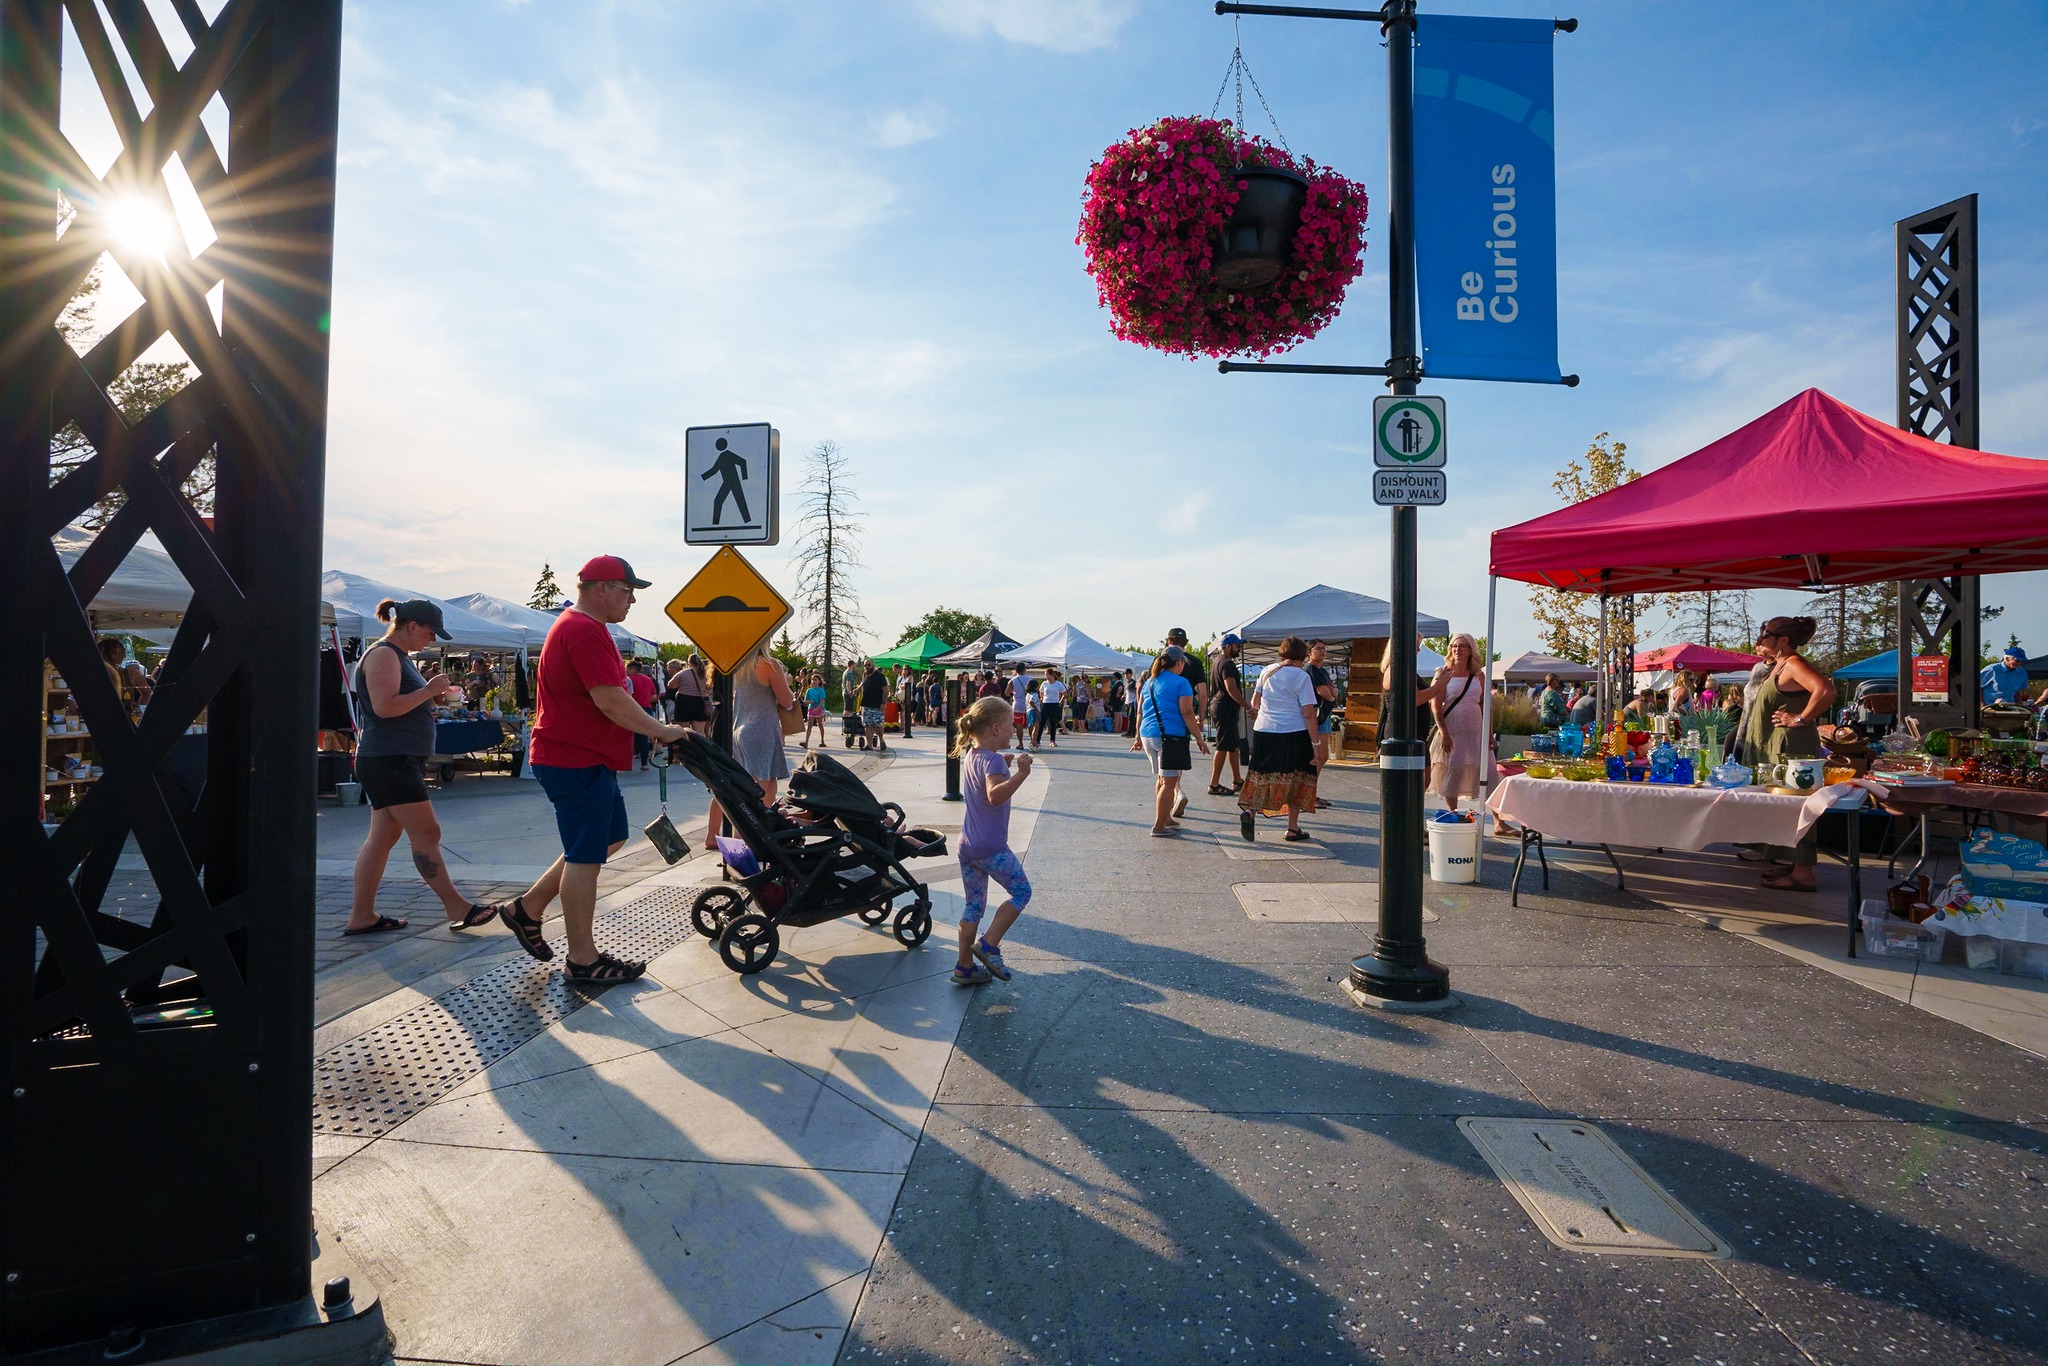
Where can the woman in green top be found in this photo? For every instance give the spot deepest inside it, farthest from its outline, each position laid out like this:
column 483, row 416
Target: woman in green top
column 1789, row 703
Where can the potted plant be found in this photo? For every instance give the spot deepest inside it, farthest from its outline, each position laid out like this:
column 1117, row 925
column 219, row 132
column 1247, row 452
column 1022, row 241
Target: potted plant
column 1206, row 241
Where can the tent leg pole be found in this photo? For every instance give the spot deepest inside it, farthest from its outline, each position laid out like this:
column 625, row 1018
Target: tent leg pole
column 1488, row 769
column 1600, row 680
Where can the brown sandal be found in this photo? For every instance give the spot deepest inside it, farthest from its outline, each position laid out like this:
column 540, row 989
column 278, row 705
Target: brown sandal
column 1787, row 884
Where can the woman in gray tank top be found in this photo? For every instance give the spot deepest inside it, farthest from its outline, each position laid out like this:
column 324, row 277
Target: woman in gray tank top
column 394, row 707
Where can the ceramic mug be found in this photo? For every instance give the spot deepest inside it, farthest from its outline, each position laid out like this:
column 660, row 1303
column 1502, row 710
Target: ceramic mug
column 1804, row 775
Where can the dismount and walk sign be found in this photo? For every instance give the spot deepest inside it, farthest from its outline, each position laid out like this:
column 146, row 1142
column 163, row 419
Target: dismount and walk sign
column 727, row 609
column 1408, row 432
column 732, row 485
column 1408, row 488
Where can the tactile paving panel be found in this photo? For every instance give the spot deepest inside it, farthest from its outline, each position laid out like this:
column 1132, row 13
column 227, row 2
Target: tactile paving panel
column 373, row 1083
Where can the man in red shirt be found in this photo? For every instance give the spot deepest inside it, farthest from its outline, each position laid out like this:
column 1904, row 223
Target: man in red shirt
column 584, row 721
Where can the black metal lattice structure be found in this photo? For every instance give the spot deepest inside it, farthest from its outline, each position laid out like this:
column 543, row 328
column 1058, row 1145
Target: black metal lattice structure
column 1937, row 381
column 156, row 1162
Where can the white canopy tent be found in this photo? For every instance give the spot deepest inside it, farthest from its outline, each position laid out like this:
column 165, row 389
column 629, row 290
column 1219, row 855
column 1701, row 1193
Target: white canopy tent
column 1072, row 651
column 146, row 593
column 537, row 623
column 1332, row 614
column 467, row 631
column 1532, row 667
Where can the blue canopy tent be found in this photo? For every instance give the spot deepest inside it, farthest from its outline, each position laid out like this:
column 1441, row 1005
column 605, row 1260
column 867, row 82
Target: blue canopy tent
column 1884, row 666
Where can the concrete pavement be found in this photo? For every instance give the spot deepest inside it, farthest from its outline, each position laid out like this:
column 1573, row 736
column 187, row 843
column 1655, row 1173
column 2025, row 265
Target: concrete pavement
column 1172, row 1138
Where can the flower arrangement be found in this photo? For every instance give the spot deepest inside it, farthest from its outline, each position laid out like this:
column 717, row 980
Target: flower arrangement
column 1155, row 205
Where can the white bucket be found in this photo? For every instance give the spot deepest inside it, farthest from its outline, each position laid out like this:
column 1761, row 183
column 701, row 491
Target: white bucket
column 1454, row 852
column 350, row 793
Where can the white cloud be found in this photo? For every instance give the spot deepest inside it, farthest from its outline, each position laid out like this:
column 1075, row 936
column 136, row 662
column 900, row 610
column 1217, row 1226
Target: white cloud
column 907, row 127
column 1181, row 518
column 1060, row 25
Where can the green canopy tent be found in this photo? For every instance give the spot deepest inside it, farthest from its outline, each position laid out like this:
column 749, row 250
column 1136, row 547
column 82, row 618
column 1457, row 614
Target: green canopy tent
column 918, row 654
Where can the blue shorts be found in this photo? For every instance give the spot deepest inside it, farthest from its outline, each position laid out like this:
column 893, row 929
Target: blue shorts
column 975, row 873
column 590, row 811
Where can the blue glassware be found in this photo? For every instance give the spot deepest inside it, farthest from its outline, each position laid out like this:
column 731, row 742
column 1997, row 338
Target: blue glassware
column 1682, row 771
column 1571, row 741
column 1663, row 761
column 1617, row 769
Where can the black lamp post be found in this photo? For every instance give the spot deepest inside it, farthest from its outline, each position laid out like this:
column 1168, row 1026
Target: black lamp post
column 1399, row 969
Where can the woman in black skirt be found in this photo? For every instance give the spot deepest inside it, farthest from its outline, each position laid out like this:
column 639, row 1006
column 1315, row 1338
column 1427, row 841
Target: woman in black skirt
column 1282, row 776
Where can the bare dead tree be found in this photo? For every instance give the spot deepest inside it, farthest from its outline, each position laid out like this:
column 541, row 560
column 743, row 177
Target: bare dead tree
column 828, row 551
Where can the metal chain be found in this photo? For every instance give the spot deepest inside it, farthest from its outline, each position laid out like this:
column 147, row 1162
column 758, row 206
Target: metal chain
column 1238, row 72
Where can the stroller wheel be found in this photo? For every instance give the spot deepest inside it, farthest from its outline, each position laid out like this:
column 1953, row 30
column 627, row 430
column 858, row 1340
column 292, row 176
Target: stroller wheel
column 874, row 915
column 749, row 943
column 713, row 907
column 913, row 926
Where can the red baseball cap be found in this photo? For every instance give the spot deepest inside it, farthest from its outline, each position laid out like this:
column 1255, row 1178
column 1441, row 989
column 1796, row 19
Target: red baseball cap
column 609, row 569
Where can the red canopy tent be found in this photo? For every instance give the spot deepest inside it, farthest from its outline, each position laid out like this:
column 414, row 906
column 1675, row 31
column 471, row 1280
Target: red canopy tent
column 1813, row 494
column 1698, row 659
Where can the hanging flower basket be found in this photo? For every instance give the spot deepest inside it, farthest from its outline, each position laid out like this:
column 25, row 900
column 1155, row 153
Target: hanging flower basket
column 1206, row 242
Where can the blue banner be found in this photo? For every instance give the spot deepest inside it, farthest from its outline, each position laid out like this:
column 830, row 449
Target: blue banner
column 1485, row 199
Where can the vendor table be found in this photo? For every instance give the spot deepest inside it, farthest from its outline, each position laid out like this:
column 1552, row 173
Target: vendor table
column 1969, row 798
column 1655, row 816
column 467, row 737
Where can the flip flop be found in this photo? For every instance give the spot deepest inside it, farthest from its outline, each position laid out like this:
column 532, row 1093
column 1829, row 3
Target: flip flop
column 384, row 923
column 479, row 914
column 531, row 938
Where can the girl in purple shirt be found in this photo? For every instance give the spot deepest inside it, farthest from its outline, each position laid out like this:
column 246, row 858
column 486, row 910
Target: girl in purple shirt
column 987, row 782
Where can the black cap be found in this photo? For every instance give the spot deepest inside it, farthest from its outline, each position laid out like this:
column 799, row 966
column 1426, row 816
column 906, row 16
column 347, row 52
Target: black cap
column 1177, row 636
column 424, row 612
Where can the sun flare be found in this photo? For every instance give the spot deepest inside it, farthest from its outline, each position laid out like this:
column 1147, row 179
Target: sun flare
column 140, row 227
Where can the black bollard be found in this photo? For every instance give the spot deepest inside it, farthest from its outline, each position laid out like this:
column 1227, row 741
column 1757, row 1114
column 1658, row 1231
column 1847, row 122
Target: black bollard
column 946, row 713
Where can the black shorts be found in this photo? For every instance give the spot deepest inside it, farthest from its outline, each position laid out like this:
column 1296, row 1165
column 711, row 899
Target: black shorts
column 1226, row 732
column 690, row 707
column 392, row 779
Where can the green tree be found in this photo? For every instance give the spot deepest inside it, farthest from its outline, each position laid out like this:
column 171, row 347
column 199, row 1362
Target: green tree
column 1568, row 623
column 547, row 595
column 948, row 624
column 785, row 650
column 137, row 391
column 1724, row 620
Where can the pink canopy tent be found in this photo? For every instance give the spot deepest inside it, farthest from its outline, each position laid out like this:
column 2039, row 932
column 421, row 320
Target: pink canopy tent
column 1698, row 659
column 1811, row 494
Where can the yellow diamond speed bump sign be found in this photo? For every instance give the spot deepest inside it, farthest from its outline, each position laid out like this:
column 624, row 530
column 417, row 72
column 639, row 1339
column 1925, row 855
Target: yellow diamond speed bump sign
column 727, row 609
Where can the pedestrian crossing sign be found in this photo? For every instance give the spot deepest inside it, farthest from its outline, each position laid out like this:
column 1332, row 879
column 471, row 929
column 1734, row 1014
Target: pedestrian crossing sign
column 727, row 609
column 732, row 485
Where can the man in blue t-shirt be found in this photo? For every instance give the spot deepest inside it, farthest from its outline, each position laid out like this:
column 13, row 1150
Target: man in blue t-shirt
column 1166, row 726
column 2005, row 680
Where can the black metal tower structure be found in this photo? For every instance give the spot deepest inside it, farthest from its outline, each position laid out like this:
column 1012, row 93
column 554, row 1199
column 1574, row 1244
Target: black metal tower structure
column 1937, row 377
column 156, row 1038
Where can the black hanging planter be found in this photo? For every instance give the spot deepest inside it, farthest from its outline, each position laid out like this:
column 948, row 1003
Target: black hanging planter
column 1252, row 248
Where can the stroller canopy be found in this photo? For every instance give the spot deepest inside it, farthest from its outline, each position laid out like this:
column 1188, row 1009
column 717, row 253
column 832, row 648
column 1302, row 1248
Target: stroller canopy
column 827, row 787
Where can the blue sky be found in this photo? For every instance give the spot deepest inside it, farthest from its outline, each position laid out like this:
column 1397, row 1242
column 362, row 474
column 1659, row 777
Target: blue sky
column 569, row 231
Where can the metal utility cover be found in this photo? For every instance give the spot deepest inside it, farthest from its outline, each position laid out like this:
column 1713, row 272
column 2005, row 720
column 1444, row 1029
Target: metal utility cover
column 1586, row 1194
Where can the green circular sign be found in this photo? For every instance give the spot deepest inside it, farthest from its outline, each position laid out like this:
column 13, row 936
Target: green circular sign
column 1397, row 441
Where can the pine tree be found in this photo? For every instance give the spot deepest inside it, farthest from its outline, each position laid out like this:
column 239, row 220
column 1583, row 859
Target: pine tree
column 547, row 595
column 828, row 551
column 1568, row 623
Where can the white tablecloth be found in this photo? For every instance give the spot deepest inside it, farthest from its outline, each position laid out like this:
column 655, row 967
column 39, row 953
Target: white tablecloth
column 1651, row 816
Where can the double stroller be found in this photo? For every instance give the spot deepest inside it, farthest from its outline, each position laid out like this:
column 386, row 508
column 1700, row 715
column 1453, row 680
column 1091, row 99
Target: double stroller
column 830, row 849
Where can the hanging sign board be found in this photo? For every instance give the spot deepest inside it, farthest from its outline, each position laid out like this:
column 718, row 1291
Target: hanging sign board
column 732, row 485
column 1408, row 488
column 1930, row 678
column 1408, row 432
column 1485, row 198
column 727, row 609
